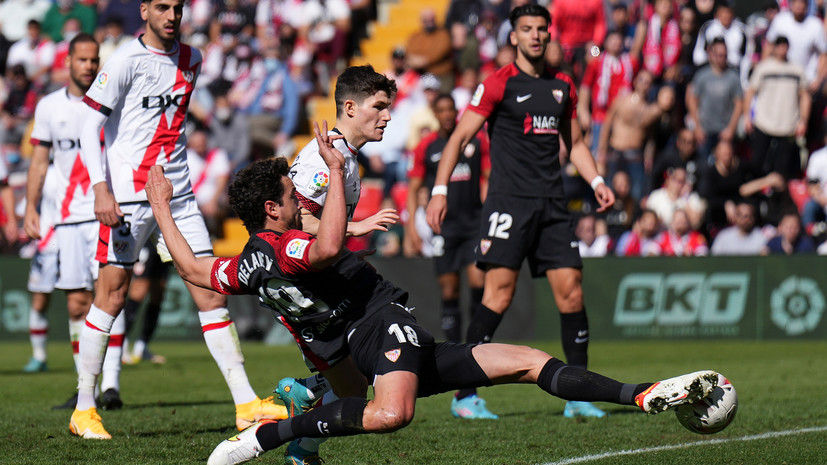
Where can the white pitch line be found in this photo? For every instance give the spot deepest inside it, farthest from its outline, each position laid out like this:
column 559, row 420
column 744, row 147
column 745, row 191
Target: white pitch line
column 771, row 434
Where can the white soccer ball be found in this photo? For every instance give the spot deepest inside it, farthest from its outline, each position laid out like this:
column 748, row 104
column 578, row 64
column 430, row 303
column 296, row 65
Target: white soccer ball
column 712, row 414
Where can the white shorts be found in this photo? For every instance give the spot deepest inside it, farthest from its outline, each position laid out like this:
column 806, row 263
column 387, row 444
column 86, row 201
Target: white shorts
column 43, row 272
column 77, row 243
column 121, row 246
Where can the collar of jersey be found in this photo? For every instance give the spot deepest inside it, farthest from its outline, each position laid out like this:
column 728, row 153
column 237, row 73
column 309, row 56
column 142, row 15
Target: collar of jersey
column 71, row 97
column 349, row 147
column 155, row 50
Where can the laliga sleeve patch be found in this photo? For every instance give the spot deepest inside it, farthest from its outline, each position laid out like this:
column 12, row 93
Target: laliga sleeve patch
column 296, row 248
column 475, row 100
column 319, row 181
column 101, row 80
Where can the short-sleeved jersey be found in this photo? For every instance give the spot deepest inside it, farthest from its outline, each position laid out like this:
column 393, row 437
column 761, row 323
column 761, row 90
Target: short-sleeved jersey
column 206, row 171
column 311, row 176
column 276, row 268
column 524, row 116
column 464, row 202
column 145, row 94
column 57, row 123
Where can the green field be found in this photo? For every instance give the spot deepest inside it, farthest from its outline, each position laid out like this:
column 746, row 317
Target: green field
column 177, row 413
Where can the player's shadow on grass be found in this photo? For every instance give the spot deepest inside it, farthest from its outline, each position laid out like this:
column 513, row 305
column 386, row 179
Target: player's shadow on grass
column 165, row 404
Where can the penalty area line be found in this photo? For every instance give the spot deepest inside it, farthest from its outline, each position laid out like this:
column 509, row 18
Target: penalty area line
column 685, row 445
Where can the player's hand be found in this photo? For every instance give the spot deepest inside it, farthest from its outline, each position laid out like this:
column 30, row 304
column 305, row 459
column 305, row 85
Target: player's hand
column 378, row 222
column 435, row 212
column 107, row 210
column 332, row 157
column 158, row 188
column 31, row 223
column 10, row 230
column 605, row 197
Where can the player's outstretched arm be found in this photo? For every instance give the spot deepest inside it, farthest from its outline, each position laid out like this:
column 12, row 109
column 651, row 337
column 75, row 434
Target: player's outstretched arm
column 581, row 158
column 333, row 224
column 107, row 210
column 191, row 268
column 34, row 189
column 468, row 127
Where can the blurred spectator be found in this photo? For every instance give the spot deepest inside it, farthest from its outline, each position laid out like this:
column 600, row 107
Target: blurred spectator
column 592, row 243
column 114, row 36
column 771, row 195
column 641, row 240
column 269, row 18
column 790, row 239
column 128, row 11
column 663, row 42
column 757, row 25
column 781, row 111
column 429, row 50
column 675, row 195
column 36, row 53
column 689, row 32
column 469, row 79
column 680, row 240
column 714, row 100
column 720, row 186
column 209, row 174
column 554, row 57
column 815, row 209
column 322, row 26
column 16, row 14
column 229, row 132
column 620, row 22
column 742, row 238
column 505, row 27
column 59, row 74
column 5, row 45
column 8, row 218
column 621, row 216
column 237, row 22
column 808, row 43
column 268, row 97
column 624, row 135
column 422, row 119
column 578, row 25
column 704, row 9
column 607, row 76
column 733, row 31
column 407, row 80
column 17, row 110
column 62, row 10
column 681, row 154
column 362, row 12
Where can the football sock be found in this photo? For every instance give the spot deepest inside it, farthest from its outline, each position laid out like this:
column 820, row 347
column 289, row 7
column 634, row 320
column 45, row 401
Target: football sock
column 451, row 320
column 38, row 327
column 574, row 332
column 153, row 311
column 311, row 445
column 476, row 300
column 112, row 359
column 92, row 346
column 342, row 417
column 222, row 341
column 573, row 383
column 317, row 387
column 130, row 311
column 481, row 329
column 75, row 328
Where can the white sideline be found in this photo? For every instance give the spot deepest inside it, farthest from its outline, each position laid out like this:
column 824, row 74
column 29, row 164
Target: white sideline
column 769, row 435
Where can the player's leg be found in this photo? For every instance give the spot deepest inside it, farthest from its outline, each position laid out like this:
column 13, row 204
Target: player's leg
column 451, row 315
column 38, row 330
column 138, row 289
column 110, row 386
column 78, row 302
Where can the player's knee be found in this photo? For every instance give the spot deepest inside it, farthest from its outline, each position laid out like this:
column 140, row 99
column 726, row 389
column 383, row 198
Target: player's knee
column 389, row 419
column 570, row 300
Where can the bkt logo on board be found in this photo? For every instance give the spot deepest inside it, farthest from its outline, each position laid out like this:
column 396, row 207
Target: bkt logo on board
column 681, row 300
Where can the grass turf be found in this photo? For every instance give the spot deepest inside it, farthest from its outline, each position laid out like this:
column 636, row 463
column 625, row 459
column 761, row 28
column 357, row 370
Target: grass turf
column 178, row 412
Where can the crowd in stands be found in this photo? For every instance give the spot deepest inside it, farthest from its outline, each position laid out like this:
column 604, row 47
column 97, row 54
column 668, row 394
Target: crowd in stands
column 709, row 129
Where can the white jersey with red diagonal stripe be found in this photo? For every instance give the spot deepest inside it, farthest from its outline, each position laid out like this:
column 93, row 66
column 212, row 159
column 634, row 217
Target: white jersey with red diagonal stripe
column 57, row 124
column 145, row 94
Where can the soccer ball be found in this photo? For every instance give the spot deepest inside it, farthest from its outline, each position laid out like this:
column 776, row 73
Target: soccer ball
column 713, row 413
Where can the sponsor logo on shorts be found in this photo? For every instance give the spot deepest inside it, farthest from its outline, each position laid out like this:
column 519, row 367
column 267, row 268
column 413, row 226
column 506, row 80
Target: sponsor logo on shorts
column 485, row 244
column 558, row 95
column 319, row 181
column 393, row 355
column 121, row 246
column 296, row 247
column 475, row 100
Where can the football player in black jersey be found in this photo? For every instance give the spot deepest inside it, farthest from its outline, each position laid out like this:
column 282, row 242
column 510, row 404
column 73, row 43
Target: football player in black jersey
column 529, row 108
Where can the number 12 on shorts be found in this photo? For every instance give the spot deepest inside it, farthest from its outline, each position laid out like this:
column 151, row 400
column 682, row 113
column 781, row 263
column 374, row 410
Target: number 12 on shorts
column 500, row 223
column 396, row 331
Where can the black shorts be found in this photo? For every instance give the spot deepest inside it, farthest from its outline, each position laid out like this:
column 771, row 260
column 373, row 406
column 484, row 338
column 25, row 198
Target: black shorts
column 391, row 340
column 452, row 253
column 515, row 228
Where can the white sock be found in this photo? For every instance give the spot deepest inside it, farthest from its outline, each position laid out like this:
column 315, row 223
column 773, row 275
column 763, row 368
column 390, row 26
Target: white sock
column 138, row 349
column 75, row 328
column 38, row 327
column 222, row 341
column 317, row 386
column 92, row 346
column 111, row 378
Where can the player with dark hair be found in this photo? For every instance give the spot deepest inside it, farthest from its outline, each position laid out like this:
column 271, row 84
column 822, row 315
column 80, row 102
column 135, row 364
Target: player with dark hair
column 530, row 109
column 140, row 98
column 336, row 304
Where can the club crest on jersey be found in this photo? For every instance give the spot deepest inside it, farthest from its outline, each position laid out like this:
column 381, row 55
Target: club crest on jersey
column 475, row 100
column 319, row 181
column 558, row 95
column 188, row 75
column 540, row 124
column 393, row 355
column 485, row 244
column 120, row 246
column 296, row 247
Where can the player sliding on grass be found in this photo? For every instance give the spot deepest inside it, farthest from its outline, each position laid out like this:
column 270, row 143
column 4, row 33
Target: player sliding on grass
column 336, row 304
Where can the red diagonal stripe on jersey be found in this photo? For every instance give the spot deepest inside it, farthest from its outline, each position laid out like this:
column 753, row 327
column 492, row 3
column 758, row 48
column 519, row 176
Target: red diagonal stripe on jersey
column 78, row 177
column 166, row 135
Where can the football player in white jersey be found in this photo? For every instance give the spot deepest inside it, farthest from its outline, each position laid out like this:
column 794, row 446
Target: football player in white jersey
column 56, row 131
column 140, row 98
column 363, row 99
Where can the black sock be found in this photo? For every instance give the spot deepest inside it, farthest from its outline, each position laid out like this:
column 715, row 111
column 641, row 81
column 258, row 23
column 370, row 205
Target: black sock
column 130, row 312
column 451, row 320
column 342, row 417
column 476, row 300
column 150, row 321
column 481, row 329
column 574, row 331
column 573, row 383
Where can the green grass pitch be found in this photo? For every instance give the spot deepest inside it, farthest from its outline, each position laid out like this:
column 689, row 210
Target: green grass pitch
column 177, row 413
